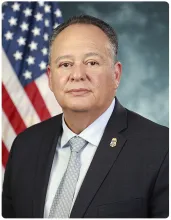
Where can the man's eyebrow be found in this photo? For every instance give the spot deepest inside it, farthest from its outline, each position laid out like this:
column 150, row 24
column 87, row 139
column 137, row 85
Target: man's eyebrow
column 93, row 54
column 63, row 57
column 71, row 56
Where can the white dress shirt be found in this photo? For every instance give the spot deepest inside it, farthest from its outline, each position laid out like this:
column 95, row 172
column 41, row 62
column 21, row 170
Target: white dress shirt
column 92, row 134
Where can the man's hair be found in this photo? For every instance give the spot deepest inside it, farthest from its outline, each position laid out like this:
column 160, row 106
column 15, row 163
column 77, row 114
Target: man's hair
column 86, row 19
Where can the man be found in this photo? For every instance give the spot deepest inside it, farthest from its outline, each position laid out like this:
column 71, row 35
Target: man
column 97, row 159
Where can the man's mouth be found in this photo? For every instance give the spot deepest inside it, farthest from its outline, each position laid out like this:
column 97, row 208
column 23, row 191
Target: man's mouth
column 79, row 91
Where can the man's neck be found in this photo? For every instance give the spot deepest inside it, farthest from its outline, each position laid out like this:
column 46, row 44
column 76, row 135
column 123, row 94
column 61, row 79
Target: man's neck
column 78, row 121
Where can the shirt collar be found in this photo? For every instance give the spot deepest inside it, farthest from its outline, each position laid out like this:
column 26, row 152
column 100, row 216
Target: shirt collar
column 93, row 133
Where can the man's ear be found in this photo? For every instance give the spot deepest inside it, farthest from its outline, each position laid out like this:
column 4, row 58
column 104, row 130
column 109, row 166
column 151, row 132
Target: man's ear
column 117, row 73
column 49, row 77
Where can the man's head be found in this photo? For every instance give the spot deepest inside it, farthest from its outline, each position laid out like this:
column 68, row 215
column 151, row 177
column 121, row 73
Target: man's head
column 86, row 19
column 83, row 71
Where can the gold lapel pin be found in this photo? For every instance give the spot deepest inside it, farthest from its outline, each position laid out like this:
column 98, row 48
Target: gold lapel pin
column 113, row 142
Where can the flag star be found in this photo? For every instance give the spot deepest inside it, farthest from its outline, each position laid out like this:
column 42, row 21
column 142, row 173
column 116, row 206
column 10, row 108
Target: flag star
column 47, row 8
column 46, row 22
column 33, row 46
column 42, row 65
column 30, row 60
column 27, row 74
column 18, row 55
column 38, row 16
column 12, row 21
column 44, row 51
column 21, row 41
column 24, row 26
column 27, row 12
column 45, row 37
column 8, row 35
column 16, row 6
column 41, row 3
column 58, row 13
column 36, row 31
column 55, row 25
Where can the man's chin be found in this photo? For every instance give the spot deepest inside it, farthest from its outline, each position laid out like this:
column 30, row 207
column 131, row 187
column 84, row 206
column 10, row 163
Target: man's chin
column 78, row 107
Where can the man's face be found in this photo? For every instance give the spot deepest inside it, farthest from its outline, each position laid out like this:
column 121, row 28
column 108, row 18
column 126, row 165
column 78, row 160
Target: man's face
column 82, row 73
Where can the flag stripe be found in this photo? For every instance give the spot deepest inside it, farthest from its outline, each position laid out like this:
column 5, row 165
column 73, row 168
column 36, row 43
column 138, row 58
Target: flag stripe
column 5, row 154
column 12, row 112
column 17, row 93
column 51, row 103
column 37, row 101
column 8, row 133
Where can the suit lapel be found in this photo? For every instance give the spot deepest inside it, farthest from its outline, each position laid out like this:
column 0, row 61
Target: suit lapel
column 103, row 160
column 44, row 164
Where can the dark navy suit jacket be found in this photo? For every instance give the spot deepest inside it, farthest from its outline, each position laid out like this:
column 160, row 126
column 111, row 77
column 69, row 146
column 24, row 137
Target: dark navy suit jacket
column 126, row 181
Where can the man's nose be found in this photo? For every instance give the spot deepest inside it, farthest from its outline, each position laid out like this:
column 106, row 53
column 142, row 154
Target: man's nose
column 78, row 73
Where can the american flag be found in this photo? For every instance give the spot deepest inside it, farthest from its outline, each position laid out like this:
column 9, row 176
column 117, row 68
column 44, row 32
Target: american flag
column 26, row 97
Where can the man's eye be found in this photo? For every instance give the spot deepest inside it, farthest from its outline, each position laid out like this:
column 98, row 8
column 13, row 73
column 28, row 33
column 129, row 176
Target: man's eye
column 65, row 65
column 92, row 63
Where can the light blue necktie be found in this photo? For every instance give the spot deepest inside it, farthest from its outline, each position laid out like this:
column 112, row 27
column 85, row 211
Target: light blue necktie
column 65, row 193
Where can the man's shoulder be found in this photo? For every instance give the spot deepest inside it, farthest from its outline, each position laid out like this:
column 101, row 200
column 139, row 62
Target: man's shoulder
column 148, row 138
column 139, row 124
column 41, row 128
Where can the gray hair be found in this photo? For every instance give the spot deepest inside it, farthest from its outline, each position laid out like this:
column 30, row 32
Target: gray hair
column 86, row 19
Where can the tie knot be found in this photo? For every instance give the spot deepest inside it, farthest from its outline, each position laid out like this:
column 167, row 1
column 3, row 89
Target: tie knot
column 77, row 143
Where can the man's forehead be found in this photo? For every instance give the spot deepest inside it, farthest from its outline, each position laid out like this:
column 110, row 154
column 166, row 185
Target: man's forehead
column 85, row 36
column 79, row 29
